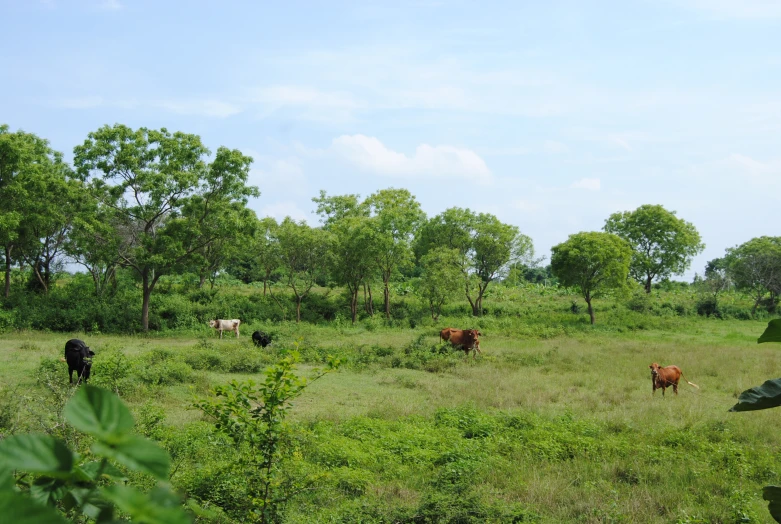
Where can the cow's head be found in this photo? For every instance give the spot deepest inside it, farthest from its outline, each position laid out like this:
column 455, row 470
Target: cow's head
column 654, row 369
column 212, row 323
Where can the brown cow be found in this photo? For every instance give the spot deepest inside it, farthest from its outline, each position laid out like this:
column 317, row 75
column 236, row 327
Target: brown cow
column 445, row 334
column 664, row 377
column 466, row 339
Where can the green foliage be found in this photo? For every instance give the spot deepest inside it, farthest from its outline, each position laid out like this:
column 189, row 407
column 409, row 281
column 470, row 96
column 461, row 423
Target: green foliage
column 181, row 204
column 487, row 248
column 91, row 489
column 592, row 262
column 440, row 278
column 755, row 267
column 662, row 244
column 252, row 416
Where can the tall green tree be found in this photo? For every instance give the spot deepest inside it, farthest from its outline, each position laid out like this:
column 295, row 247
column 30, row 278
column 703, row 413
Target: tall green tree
column 755, row 267
column 332, row 209
column 487, row 248
column 354, row 236
column 60, row 204
column 662, row 244
column 593, row 262
column 168, row 202
column 396, row 216
column 33, row 180
column 303, row 252
column 41, row 201
column 440, row 278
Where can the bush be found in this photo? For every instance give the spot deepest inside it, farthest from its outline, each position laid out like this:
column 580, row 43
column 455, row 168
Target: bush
column 707, row 306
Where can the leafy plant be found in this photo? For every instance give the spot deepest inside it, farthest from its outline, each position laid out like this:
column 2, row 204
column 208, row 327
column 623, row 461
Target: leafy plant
column 52, row 483
column 766, row 396
column 252, row 415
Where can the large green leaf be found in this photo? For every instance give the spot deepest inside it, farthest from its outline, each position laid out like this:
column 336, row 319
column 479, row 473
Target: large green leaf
column 37, row 454
column 99, row 413
column 138, row 454
column 773, row 495
column 19, row 509
column 772, row 332
column 159, row 506
column 768, row 395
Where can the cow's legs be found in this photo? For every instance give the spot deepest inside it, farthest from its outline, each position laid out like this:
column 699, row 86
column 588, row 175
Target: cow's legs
column 675, row 388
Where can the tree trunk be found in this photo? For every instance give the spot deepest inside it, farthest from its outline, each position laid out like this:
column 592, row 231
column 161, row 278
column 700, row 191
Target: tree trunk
column 591, row 311
column 648, row 285
column 354, row 304
column 371, row 300
column 387, row 300
column 147, row 292
column 202, row 280
column 298, row 309
column 7, row 271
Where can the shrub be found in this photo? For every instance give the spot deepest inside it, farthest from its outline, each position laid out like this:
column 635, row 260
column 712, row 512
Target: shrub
column 708, row 305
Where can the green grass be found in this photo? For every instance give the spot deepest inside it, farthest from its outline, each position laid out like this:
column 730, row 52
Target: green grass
column 557, row 427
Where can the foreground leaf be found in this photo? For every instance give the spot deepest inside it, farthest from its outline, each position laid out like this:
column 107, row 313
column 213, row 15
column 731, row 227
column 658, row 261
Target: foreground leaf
column 773, row 495
column 772, row 332
column 768, row 395
column 37, row 454
column 159, row 506
column 19, row 509
column 99, row 413
column 138, row 454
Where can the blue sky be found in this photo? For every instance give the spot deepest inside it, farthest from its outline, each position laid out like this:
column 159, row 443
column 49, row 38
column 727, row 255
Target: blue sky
column 550, row 115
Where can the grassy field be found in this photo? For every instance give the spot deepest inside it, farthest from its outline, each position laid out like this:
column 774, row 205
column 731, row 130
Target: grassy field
column 559, row 429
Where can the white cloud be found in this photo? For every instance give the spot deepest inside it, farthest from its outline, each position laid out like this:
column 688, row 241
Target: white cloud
column 280, row 210
column 369, row 154
column 746, row 9
column 111, row 5
column 279, row 176
column 526, row 206
column 199, row 107
column 83, row 102
column 554, row 147
column 187, row 106
column 591, row 184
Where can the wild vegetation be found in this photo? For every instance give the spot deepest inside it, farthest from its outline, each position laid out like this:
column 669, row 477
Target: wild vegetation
column 553, row 423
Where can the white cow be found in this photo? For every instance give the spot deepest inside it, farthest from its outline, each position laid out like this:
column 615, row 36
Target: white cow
column 226, row 325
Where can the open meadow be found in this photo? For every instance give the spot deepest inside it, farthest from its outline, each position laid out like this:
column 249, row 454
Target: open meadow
column 547, row 425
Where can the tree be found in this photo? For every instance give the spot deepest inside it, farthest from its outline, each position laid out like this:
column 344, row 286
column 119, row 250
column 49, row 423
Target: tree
column 350, row 267
column 167, row 202
column 662, row 244
column 592, row 262
column 61, row 204
column 440, row 279
column 487, row 248
column 94, row 244
column 755, row 267
column 303, row 252
column 39, row 197
column 334, row 208
column 397, row 215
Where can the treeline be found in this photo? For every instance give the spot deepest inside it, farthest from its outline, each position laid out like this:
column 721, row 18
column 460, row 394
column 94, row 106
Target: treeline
column 138, row 206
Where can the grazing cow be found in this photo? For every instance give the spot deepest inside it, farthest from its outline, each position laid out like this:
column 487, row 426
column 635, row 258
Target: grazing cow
column 466, row 339
column 261, row 339
column 77, row 355
column 226, row 325
column 664, row 377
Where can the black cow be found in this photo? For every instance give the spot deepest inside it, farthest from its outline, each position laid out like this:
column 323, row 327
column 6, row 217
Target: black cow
column 77, row 355
column 261, row 339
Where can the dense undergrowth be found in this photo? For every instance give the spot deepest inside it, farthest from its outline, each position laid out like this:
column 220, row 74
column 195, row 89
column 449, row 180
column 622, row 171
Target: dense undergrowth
column 179, row 306
column 411, row 430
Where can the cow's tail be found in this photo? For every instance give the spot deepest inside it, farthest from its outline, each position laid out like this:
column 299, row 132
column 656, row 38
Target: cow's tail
column 690, row 383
